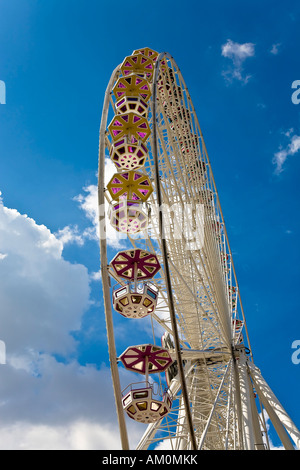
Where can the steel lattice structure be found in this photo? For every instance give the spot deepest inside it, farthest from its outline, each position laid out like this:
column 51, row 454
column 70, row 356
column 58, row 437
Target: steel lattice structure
column 217, row 392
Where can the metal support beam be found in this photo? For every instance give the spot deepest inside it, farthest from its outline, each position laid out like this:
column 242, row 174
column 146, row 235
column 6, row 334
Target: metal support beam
column 281, row 421
column 238, row 405
column 104, row 271
column 248, row 430
column 258, row 438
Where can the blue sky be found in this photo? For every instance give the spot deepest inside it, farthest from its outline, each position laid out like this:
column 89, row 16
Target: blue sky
column 239, row 60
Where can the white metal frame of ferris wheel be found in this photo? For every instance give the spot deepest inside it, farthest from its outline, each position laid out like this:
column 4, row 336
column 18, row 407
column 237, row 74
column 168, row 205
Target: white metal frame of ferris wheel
column 220, row 394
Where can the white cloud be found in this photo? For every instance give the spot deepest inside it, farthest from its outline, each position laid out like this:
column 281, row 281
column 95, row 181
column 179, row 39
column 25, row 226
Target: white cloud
column 70, row 235
column 78, row 435
column 43, row 296
column 46, row 402
column 50, row 405
column 47, row 399
column 238, row 53
column 275, row 48
column 283, row 153
column 88, row 202
column 166, row 444
column 294, row 146
column 96, row 276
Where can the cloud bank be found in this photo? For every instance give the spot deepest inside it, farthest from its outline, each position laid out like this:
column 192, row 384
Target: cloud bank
column 47, row 399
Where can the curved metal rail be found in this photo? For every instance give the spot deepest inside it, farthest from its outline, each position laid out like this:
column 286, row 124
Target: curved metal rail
column 199, row 298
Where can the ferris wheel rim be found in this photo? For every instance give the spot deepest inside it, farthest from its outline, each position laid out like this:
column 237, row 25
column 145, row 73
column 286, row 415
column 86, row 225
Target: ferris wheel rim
column 104, row 264
column 104, row 271
column 228, row 364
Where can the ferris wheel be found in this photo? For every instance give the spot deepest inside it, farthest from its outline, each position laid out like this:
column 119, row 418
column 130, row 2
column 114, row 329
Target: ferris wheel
column 195, row 386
